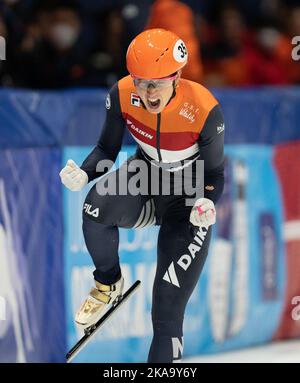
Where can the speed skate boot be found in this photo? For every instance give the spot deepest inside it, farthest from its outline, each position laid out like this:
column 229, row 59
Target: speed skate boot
column 99, row 300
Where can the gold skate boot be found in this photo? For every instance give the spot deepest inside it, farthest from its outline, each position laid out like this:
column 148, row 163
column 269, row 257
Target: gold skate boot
column 99, row 300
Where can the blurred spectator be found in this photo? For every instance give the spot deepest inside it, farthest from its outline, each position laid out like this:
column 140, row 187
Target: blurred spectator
column 135, row 14
column 283, row 47
column 225, row 51
column 107, row 61
column 242, row 56
column 57, row 44
column 178, row 17
column 264, row 65
column 50, row 51
column 59, row 50
column 132, row 16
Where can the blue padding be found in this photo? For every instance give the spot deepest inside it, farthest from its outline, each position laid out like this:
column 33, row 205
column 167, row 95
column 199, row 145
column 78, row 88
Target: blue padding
column 75, row 117
column 31, row 259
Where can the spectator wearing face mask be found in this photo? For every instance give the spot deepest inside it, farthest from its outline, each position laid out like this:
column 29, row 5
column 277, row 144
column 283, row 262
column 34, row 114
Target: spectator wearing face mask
column 52, row 52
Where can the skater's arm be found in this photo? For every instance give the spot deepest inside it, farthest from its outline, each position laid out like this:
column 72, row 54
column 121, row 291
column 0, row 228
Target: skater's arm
column 110, row 141
column 211, row 146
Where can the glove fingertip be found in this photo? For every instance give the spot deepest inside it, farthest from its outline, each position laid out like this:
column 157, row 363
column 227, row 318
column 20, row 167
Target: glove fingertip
column 71, row 163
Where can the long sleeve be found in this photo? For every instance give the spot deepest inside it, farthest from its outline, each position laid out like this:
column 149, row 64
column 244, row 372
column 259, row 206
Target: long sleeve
column 110, row 141
column 211, row 145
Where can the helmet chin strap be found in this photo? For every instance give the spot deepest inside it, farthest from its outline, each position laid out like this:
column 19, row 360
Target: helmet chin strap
column 173, row 94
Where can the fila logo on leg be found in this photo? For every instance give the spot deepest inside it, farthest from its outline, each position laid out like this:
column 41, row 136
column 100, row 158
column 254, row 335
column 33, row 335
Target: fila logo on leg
column 89, row 210
column 170, row 275
column 135, row 100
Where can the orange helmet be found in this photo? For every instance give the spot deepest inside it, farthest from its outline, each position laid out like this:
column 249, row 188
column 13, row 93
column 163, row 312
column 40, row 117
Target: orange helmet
column 156, row 53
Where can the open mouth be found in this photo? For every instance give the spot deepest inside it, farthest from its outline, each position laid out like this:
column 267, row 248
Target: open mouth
column 153, row 103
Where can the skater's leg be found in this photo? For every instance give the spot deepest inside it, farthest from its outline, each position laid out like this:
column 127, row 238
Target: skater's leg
column 102, row 215
column 182, row 250
column 102, row 243
column 101, row 231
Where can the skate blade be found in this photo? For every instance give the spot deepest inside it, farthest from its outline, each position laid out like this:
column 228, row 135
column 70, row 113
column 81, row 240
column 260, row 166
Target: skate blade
column 92, row 330
column 87, row 330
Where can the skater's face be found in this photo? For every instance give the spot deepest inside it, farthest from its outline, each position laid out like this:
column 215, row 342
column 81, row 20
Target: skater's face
column 156, row 93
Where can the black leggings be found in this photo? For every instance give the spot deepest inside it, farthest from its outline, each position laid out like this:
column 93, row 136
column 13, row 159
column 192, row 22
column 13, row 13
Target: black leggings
column 181, row 253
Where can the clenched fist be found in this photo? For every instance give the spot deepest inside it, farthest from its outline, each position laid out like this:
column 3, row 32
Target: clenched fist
column 203, row 213
column 73, row 177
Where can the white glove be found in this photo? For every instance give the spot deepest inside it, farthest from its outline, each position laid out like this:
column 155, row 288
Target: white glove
column 73, row 177
column 203, row 213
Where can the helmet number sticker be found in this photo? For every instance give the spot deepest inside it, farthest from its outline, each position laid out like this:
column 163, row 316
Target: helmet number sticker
column 180, row 51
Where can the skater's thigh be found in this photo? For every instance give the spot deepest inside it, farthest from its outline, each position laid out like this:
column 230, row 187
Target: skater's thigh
column 109, row 202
